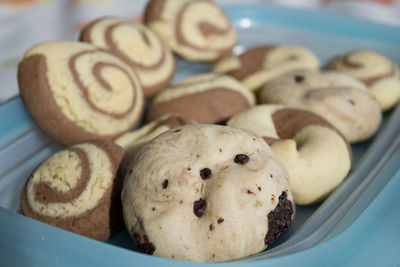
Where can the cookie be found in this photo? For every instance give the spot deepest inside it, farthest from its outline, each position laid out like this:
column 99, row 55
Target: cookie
column 340, row 99
column 77, row 92
column 258, row 65
column 188, row 32
column 206, row 193
column 78, row 189
column 377, row 72
column 205, row 98
column 138, row 46
column 316, row 155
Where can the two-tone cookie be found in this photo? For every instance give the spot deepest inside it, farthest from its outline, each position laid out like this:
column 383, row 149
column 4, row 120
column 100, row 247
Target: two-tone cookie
column 77, row 92
column 138, row 46
column 316, row 155
column 205, row 98
column 78, row 189
column 380, row 74
column 339, row 98
column 197, row 30
column 206, row 193
column 258, row 65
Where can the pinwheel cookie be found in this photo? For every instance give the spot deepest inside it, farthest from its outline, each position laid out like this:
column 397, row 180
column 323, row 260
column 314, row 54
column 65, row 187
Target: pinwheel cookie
column 78, row 189
column 206, row 193
column 256, row 66
column 77, row 92
column 205, row 98
column 197, row 30
column 316, row 155
column 380, row 74
column 138, row 46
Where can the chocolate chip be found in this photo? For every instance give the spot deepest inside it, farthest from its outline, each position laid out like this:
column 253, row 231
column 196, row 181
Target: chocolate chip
column 205, row 173
column 241, row 159
column 220, row 220
column 153, row 208
column 250, row 192
column 165, row 184
column 199, row 207
column 298, row 78
column 279, row 220
column 212, row 227
column 188, row 168
column 259, row 188
column 144, row 246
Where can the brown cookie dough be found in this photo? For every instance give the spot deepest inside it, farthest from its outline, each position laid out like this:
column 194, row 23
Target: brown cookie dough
column 138, row 46
column 188, row 31
column 206, row 98
column 78, row 189
column 206, row 193
column 77, row 92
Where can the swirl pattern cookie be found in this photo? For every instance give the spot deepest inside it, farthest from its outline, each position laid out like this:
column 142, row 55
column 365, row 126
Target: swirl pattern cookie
column 340, row 99
column 205, row 98
column 256, row 66
column 316, row 155
column 188, row 32
column 77, row 92
column 78, row 189
column 192, row 187
column 138, row 46
column 380, row 74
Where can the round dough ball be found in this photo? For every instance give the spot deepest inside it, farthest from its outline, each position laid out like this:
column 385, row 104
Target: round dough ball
column 206, row 193
column 138, row 46
column 339, row 98
column 77, row 92
column 78, row 189
column 183, row 25
column 380, row 74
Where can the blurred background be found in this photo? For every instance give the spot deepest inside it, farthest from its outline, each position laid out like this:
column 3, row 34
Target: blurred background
column 24, row 23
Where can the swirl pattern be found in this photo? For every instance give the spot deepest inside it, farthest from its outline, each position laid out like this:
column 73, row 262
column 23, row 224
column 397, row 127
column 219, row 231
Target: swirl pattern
column 255, row 67
column 182, row 24
column 380, row 74
column 137, row 46
column 88, row 92
column 78, row 182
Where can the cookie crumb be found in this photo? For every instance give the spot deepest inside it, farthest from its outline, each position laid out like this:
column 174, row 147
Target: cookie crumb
column 177, row 130
column 298, row 78
column 205, row 173
column 211, row 227
column 250, row 192
column 165, row 184
column 220, row 220
column 259, row 188
column 352, row 102
column 271, row 176
column 153, row 208
column 241, row 159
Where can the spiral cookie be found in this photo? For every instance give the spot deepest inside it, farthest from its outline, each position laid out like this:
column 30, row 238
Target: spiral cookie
column 138, row 47
column 206, row 193
column 337, row 97
column 78, row 189
column 206, row 98
column 188, row 31
column 77, row 92
column 258, row 65
column 315, row 154
column 377, row 72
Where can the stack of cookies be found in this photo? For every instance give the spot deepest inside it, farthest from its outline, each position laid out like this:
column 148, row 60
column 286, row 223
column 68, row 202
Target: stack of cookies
column 223, row 157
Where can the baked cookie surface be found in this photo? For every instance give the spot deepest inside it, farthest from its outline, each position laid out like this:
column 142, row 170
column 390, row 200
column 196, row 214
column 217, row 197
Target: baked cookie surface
column 138, row 46
column 77, row 92
column 197, row 30
column 206, row 193
column 78, row 189
column 377, row 72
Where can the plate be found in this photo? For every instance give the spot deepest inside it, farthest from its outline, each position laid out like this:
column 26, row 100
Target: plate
column 357, row 224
